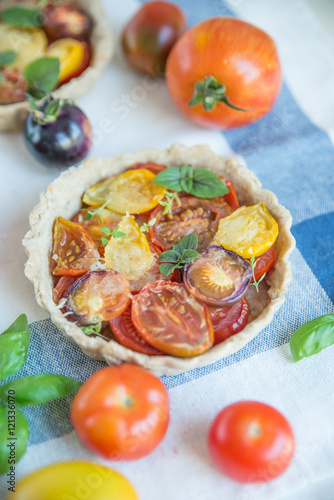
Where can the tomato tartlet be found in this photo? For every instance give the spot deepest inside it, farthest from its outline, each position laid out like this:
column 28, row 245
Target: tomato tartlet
column 148, row 257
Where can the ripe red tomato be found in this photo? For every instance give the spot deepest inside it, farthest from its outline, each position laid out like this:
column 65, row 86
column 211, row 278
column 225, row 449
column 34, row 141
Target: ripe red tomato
column 121, row 412
column 151, row 33
column 251, row 442
column 245, row 67
column 264, row 263
column 231, row 197
column 228, row 321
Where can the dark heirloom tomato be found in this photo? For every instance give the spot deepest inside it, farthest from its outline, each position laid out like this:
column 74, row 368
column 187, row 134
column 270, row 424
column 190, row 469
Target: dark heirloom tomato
column 244, row 61
column 98, row 296
column 151, row 33
column 73, row 250
column 127, row 334
column 93, row 226
column 155, row 168
column 172, row 320
column 12, row 86
column 265, row 263
column 62, row 21
column 228, row 321
column 218, row 277
column 195, row 215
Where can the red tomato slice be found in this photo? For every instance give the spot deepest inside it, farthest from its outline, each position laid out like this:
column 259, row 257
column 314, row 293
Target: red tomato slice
column 172, row 320
column 195, row 215
column 264, row 264
column 73, row 249
column 228, row 321
column 63, row 286
column 128, row 336
column 231, row 197
column 98, row 296
column 155, row 168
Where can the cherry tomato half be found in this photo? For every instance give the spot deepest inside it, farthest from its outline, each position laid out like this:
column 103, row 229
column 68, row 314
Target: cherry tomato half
column 228, row 321
column 264, row 263
column 121, row 412
column 73, row 250
column 127, row 334
column 251, row 442
column 62, row 287
column 231, row 197
column 241, row 58
column 98, row 296
column 71, row 54
column 172, row 320
column 195, row 215
column 151, row 33
column 62, row 21
column 72, row 480
column 218, row 277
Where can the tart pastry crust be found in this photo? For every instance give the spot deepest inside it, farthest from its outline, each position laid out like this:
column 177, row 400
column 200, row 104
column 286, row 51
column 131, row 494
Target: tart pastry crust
column 12, row 116
column 63, row 198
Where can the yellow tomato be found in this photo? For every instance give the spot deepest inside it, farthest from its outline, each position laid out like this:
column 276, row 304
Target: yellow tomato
column 29, row 44
column 248, row 231
column 74, row 480
column 131, row 192
column 130, row 254
column 70, row 53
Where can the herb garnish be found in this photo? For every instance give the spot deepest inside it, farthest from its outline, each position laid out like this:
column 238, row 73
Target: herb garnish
column 144, row 227
column 312, row 337
column 169, row 203
column 253, row 263
column 94, row 330
column 182, row 253
column 24, row 391
column 90, row 213
column 42, row 76
column 198, row 182
column 22, row 17
column 115, row 234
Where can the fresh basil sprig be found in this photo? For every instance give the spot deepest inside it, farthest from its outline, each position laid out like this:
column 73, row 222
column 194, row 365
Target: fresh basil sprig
column 115, row 234
column 182, row 253
column 24, row 391
column 42, row 76
column 198, row 182
column 312, row 337
column 23, row 17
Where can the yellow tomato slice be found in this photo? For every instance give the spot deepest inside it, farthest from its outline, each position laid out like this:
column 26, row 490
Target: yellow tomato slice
column 131, row 192
column 29, row 44
column 248, row 231
column 70, row 53
column 130, row 254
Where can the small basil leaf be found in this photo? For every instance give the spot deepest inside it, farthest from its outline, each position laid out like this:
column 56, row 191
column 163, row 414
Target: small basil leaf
column 18, row 429
column 14, row 344
column 169, row 178
column 24, row 17
column 169, row 256
column 42, row 75
column 189, row 255
column 206, row 184
column 167, row 269
column 39, row 389
column 7, row 57
column 188, row 242
column 186, row 182
column 312, row 337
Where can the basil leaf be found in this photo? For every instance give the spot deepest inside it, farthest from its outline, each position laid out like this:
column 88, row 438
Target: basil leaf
column 169, row 178
column 42, row 75
column 167, row 269
column 169, row 256
column 188, row 242
column 186, row 178
column 7, row 57
column 14, row 343
column 206, row 184
column 39, row 389
column 18, row 429
column 189, row 255
column 23, row 17
column 312, row 337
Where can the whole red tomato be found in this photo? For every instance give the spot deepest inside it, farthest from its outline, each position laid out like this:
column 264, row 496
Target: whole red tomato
column 151, row 33
column 251, row 442
column 220, row 64
column 121, row 412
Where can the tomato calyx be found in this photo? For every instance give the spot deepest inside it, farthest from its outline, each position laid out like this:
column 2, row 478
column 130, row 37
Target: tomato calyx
column 47, row 109
column 209, row 92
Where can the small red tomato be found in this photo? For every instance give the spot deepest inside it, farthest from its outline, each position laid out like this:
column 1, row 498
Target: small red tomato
column 149, row 36
column 121, row 412
column 264, row 263
column 224, row 73
column 251, row 442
